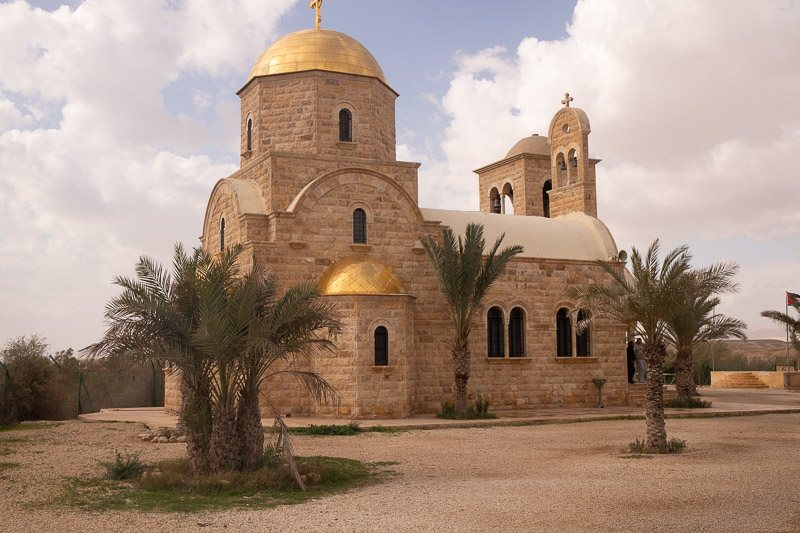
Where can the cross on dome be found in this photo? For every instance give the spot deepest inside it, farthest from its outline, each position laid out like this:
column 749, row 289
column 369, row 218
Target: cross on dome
column 567, row 99
column 317, row 4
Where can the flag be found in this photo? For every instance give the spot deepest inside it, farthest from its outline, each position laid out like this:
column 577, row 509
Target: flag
column 793, row 299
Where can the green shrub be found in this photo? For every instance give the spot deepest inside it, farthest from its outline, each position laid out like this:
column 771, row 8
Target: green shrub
column 479, row 411
column 691, row 403
column 328, row 429
column 128, row 466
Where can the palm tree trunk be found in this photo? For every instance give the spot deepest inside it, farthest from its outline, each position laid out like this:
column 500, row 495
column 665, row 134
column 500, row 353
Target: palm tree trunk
column 250, row 432
column 684, row 380
column 223, row 446
column 461, row 370
column 196, row 415
column 656, row 431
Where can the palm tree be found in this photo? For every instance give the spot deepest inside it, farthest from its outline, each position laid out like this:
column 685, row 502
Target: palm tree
column 464, row 278
column 227, row 332
column 694, row 322
column 251, row 335
column 155, row 320
column 284, row 330
column 792, row 324
column 643, row 303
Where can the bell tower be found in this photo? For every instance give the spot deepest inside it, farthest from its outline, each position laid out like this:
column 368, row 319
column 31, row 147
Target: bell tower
column 571, row 169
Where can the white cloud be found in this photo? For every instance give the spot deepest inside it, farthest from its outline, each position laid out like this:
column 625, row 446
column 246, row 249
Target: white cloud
column 693, row 111
column 102, row 172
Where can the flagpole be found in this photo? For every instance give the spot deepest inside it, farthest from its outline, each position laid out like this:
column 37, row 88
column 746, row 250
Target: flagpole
column 786, row 302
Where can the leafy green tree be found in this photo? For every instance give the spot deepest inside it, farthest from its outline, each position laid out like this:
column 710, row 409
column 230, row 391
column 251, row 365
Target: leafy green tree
column 643, row 303
column 464, row 279
column 693, row 321
column 33, row 378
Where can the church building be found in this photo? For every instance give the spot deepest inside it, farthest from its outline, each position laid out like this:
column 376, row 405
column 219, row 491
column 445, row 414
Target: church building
column 321, row 196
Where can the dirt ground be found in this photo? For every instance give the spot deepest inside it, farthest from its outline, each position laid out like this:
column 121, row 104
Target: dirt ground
column 737, row 474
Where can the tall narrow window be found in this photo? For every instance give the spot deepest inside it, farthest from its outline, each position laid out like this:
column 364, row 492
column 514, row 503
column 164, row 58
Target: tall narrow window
column 516, row 333
column 563, row 333
column 582, row 340
column 548, row 186
column 381, row 346
column 345, row 126
column 494, row 333
column 249, row 134
column 222, row 236
column 359, row 226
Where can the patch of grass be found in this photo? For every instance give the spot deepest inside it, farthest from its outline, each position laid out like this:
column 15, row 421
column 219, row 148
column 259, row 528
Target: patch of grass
column 6, row 466
column 480, row 411
column 128, row 466
column 691, row 403
column 170, row 488
column 329, row 429
column 673, row 445
column 25, row 426
column 383, row 429
column 605, row 418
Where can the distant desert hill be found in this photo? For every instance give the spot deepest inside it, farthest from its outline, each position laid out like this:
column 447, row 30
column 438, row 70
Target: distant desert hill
column 759, row 348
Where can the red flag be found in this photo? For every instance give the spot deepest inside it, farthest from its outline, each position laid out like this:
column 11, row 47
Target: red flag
column 792, row 299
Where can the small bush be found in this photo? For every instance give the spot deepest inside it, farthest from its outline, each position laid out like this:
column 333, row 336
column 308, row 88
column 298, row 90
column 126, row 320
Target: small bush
column 127, row 467
column 474, row 412
column 328, row 429
column 691, row 403
column 673, row 445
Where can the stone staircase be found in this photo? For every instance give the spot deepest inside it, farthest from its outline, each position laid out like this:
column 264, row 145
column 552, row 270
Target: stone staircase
column 740, row 380
column 637, row 394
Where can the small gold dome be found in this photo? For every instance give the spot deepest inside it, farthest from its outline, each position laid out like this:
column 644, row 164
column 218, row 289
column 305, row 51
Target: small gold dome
column 361, row 275
column 317, row 50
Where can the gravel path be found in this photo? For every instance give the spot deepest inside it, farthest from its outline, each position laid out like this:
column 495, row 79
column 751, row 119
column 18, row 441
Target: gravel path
column 737, row 474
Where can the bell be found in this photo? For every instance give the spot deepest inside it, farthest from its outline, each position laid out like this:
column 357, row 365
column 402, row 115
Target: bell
column 562, row 166
column 575, row 162
column 496, row 205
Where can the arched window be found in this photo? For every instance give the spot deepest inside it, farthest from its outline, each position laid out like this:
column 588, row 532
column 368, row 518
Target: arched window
column 548, row 186
column 381, row 346
column 563, row 333
column 494, row 332
column 495, row 203
column 516, row 333
column 345, row 126
column 508, row 199
column 222, row 236
column 561, row 170
column 582, row 340
column 359, row 226
column 249, row 133
column 573, row 166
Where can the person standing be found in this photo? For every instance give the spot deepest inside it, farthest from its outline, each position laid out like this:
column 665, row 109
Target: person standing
column 638, row 351
column 631, row 357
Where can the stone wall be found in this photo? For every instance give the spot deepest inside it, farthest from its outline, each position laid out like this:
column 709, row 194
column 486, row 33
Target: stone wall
column 299, row 112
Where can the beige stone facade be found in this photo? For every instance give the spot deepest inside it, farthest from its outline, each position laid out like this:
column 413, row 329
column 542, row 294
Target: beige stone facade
column 303, row 195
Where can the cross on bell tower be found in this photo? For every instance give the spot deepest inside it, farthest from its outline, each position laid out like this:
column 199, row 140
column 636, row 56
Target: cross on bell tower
column 567, row 99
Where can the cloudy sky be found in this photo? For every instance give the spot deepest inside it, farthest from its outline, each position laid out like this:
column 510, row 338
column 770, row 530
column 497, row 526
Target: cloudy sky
column 117, row 118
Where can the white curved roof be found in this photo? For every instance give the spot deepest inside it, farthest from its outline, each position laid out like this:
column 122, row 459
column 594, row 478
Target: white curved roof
column 249, row 196
column 574, row 236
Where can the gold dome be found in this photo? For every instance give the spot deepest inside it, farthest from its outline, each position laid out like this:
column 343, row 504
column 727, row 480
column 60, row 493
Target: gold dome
column 361, row 275
column 317, row 50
